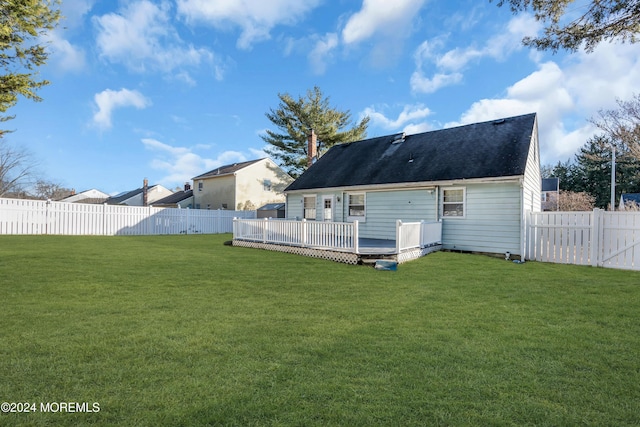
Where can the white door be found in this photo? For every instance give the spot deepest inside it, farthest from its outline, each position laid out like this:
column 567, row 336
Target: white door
column 327, row 208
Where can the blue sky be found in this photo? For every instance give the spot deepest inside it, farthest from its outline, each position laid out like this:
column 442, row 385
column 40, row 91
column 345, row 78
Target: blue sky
column 167, row 90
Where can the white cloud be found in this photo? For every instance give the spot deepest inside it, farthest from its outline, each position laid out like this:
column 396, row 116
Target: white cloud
column 180, row 164
column 256, row 18
column 73, row 12
column 422, row 84
column 108, row 100
column 449, row 65
column 142, row 37
column 321, row 53
column 565, row 96
column 407, row 118
column 64, row 55
column 380, row 16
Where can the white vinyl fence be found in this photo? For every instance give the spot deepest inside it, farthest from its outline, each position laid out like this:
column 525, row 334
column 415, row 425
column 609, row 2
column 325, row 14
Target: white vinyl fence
column 21, row 216
column 598, row 238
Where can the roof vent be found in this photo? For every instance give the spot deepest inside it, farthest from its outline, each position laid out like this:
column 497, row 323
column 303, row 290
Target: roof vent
column 499, row 122
column 397, row 139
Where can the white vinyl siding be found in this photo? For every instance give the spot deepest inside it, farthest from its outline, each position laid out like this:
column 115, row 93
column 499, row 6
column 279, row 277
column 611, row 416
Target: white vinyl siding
column 294, row 206
column 384, row 208
column 492, row 221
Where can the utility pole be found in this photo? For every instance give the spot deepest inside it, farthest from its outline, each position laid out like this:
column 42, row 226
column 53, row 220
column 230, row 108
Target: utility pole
column 613, row 177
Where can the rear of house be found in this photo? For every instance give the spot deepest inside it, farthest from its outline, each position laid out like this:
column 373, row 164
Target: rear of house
column 479, row 179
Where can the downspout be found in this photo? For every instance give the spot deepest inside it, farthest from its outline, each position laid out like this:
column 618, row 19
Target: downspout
column 523, row 223
column 437, row 204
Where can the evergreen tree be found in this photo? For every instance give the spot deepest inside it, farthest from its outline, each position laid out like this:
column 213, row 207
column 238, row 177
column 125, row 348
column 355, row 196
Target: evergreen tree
column 594, row 161
column 295, row 118
column 596, row 21
column 568, row 175
column 22, row 22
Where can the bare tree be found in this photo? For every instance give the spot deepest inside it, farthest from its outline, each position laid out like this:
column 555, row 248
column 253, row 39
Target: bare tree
column 49, row 190
column 622, row 124
column 573, row 201
column 16, row 166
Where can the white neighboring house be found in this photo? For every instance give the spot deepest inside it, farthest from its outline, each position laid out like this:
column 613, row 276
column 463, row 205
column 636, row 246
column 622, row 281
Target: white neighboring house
column 144, row 196
column 87, row 196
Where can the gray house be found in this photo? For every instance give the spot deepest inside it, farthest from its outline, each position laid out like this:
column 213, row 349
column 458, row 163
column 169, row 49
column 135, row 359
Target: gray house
column 479, row 179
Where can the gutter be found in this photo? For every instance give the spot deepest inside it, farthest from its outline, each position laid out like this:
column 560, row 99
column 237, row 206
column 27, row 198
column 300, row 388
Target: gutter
column 411, row 185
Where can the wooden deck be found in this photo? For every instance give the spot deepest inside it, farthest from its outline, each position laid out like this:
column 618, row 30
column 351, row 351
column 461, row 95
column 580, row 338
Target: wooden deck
column 335, row 241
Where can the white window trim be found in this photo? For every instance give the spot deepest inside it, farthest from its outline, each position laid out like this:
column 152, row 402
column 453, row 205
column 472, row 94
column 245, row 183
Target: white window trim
column 464, row 203
column 315, row 196
column 347, row 204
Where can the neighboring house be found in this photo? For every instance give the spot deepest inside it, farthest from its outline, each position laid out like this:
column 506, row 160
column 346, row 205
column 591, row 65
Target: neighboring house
column 629, row 201
column 179, row 199
column 87, row 196
column 145, row 196
column 479, row 179
column 550, row 194
column 271, row 210
column 241, row 186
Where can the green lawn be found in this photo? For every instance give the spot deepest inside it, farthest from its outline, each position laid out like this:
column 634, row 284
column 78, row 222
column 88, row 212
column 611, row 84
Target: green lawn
column 184, row 331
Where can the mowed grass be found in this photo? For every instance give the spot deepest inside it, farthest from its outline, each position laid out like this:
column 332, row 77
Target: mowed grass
column 184, row 331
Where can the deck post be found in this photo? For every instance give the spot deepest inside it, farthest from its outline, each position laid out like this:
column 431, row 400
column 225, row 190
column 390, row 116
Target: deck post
column 398, row 235
column 422, row 232
column 304, row 232
column 264, row 230
column 356, row 237
column 235, row 227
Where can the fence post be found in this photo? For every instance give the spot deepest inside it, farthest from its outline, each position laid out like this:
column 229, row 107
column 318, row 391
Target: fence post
column 46, row 216
column 398, row 235
column 595, row 237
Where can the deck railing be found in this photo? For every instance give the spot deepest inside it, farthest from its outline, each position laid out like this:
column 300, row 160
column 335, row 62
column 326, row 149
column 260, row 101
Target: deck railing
column 337, row 236
column 412, row 235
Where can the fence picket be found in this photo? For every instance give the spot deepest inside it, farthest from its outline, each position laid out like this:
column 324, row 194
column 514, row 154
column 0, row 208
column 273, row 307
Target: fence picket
column 21, row 216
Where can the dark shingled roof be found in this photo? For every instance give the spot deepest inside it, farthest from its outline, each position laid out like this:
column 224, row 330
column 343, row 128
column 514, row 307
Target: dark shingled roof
column 631, row 197
column 490, row 149
column 226, row 169
column 174, row 198
column 550, row 184
column 271, row 207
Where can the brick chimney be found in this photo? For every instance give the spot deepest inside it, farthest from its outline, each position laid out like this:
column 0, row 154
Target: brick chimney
column 312, row 148
column 145, row 192
column 187, row 187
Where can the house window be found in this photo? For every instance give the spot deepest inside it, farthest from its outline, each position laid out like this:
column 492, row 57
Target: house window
column 200, row 186
column 266, row 185
column 310, row 207
column 453, row 201
column 356, row 206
